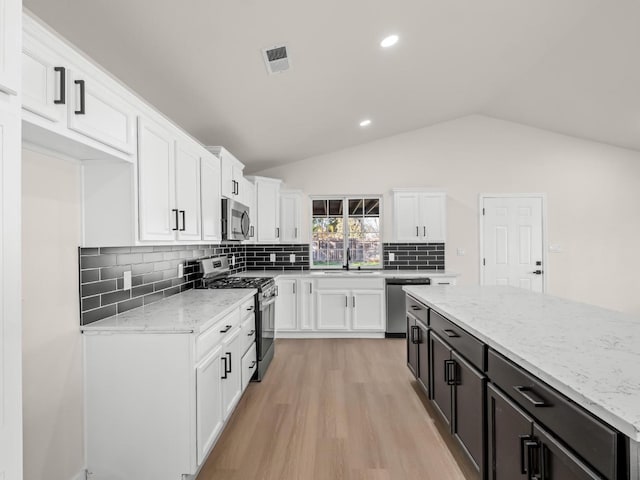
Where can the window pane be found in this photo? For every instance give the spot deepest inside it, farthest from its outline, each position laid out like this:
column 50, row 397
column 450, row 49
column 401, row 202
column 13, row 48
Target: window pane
column 335, row 208
column 328, row 242
column 356, row 207
column 372, row 207
column 364, row 242
column 320, row 208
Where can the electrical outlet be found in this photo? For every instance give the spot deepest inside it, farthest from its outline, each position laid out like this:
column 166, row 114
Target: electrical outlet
column 233, row 260
column 392, row 257
column 461, row 252
column 181, row 270
column 127, row 280
column 272, row 257
column 292, row 258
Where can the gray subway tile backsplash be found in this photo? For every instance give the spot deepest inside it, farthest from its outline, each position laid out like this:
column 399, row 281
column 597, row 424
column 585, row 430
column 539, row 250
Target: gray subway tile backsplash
column 414, row 256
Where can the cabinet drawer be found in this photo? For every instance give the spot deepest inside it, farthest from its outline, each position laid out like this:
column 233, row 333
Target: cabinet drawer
column 214, row 335
column 247, row 309
column 589, row 437
column 465, row 343
column 249, row 365
column 248, row 333
column 418, row 310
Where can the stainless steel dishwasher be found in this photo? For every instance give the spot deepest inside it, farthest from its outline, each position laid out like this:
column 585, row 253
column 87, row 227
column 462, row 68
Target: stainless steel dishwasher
column 396, row 317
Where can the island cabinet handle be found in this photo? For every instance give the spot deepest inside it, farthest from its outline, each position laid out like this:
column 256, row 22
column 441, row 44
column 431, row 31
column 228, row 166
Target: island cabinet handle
column 415, row 338
column 226, row 329
column 532, row 455
column 450, row 333
column 415, row 307
column 450, row 372
column 530, row 395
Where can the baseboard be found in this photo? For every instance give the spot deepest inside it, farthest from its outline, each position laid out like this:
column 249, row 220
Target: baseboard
column 330, row 335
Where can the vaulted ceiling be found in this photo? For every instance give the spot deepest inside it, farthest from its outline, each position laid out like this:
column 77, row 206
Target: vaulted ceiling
column 570, row 66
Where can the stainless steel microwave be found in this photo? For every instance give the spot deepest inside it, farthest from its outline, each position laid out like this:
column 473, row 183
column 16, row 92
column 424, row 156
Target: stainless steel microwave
column 236, row 224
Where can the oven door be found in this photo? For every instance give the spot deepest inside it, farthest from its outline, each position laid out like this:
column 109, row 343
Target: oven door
column 265, row 326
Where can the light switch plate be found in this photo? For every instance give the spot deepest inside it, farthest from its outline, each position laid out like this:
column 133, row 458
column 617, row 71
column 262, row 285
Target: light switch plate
column 292, row 258
column 181, row 270
column 127, row 280
column 392, row 257
column 272, row 257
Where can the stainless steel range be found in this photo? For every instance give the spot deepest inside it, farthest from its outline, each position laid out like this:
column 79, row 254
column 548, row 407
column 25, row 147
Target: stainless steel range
column 215, row 274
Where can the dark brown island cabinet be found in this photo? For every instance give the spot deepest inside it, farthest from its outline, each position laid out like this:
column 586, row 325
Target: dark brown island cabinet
column 511, row 425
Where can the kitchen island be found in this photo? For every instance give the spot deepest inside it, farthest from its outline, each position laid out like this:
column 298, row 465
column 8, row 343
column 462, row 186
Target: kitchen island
column 590, row 355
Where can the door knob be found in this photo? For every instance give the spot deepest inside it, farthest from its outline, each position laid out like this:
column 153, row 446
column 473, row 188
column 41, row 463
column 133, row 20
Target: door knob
column 537, row 272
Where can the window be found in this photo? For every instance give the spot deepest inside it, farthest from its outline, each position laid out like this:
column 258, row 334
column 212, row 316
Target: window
column 342, row 223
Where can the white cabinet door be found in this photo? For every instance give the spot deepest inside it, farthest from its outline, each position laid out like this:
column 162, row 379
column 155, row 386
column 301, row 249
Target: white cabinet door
column 368, row 310
column 208, row 402
column 268, row 206
column 158, row 216
column 433, row 217
column 306, row 304
column 333, row 310
column 10, row 34
column 210, row 194
column 43, row 82
column 249, row 365
column 187, row 174
column 286, row 305
column 98, row 113
column 231, row 372
column 10, row 326
column 290, row 218
column 407, row 217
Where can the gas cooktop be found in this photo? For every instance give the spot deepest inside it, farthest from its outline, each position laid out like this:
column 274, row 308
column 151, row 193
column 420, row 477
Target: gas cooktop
column 237, row 282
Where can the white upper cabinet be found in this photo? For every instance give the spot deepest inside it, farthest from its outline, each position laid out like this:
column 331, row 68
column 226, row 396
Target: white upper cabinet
column 98, row 113
column 187, row 164
column 419, row 217
column 268, row 209
column 67, row 95
column 291, row 217
column 210, row 192
column 231, row 171
column 158, row 216
column 10, row 33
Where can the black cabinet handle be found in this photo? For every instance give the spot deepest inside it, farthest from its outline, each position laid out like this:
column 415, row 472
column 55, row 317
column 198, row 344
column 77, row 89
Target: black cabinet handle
column 532, row 449
column 226, row 329
column 353, row 301
column 82, row 109
column 450, row 372
column 415, row 308
column 450, row 333
column 63, row 85
column 224, row 375
column 175, row 210
column 251, row 333
column 425, row 231
column 295, row 232
column 530, row 395
column 228, row 354
column 184, row 223
column 253, row 364
column 523, row 466
column 415, row 338
column 294, row 287
column 417, row 231
column 277, row 232
column 310, row 288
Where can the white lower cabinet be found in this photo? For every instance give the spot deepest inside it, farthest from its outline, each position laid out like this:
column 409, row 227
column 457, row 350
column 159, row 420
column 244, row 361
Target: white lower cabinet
column 286, row 305
column 156, row 403
column 309, row 307
column 209, row 402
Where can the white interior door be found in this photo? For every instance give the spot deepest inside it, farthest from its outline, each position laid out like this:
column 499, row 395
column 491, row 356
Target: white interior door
column 512, row 239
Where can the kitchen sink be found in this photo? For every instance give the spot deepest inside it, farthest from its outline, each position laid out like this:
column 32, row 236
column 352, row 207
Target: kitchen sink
column 345, row 273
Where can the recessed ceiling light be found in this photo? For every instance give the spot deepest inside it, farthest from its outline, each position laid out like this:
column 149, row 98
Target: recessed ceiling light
column 365, row 123
column 389, row 41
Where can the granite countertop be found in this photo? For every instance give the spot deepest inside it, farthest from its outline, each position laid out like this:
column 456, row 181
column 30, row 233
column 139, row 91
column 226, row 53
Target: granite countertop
column 590, row 354
column 192, row 311
column 350, row 274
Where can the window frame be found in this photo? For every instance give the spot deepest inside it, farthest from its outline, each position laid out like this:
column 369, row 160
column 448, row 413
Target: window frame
column 345, row 218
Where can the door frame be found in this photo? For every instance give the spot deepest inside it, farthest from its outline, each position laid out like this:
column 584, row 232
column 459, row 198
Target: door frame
column 545, row 260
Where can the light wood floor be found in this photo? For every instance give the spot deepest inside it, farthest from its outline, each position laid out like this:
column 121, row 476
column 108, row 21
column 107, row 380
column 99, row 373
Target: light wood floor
column 335, row 410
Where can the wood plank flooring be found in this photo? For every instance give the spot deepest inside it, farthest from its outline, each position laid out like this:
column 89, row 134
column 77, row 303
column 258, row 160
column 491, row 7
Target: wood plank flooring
column 336, row 409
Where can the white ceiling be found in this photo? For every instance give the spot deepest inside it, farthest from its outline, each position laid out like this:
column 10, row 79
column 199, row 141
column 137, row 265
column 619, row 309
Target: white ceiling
column 570, row 66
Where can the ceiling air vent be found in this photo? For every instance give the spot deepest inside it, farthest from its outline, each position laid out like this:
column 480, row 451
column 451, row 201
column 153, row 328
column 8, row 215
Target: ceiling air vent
column 276, row 59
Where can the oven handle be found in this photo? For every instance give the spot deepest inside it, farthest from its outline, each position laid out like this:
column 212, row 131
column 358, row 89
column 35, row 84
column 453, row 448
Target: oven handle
column 267, row 303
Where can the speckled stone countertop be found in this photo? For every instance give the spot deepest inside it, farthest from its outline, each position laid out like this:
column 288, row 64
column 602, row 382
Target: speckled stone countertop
column 350, row 274
column 191, row 311
column 590, row 354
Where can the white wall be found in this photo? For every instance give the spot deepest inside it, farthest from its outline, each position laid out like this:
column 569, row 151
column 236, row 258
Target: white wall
column 592, row 191
column 52, row 377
